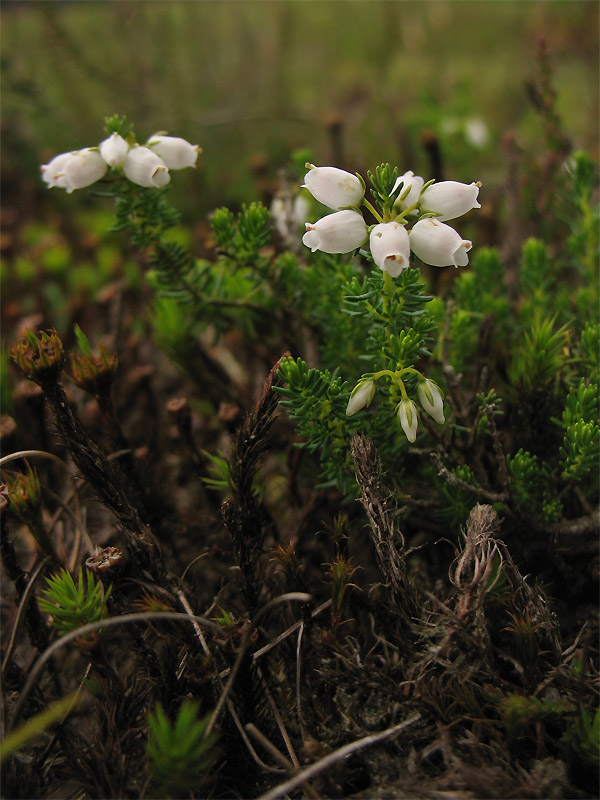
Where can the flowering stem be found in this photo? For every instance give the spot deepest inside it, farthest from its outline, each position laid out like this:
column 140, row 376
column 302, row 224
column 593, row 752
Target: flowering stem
column 402, row 388
column 381, row 373
column 405, row 212
column 372, row 209
column 404, row 370
column 388, row 288
column 395, row 376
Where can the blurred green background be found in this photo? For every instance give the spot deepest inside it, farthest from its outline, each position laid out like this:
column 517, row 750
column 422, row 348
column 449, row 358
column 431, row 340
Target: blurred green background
column 357, row 82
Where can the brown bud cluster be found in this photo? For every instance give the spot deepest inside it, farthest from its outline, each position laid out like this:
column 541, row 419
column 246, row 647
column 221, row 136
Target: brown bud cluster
column 40, row 358
column 94, row 373
column 24, row 495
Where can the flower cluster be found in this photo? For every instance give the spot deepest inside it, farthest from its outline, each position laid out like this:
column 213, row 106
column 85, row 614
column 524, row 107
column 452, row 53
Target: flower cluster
column 288, row 214
column 430, row 239
column 147, row 165
column 428, row 392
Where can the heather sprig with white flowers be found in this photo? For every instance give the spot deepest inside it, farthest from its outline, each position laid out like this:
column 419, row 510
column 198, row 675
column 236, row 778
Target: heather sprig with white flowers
column 410, row 217
column 404, row 217
column 145, row 165
column 428, row 392
column 131, row 171
column 390, row 242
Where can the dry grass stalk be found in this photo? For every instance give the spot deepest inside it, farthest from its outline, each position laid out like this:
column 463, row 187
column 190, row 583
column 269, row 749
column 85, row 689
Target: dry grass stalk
column 241, row 512
column 384, row 533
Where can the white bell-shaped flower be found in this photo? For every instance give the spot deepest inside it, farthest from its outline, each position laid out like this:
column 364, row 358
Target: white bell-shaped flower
column 408, row 415
column 416, row 183
column 334, row 187
column 289, row 214
column 84, row 168
column 361, row 396
column 390, row 247
column 146, row 168
column 177, row 153
column 114, row 149
column 477, row 132
column 300, row 210
column 281, row 213
column 53, row 173
column 431, row 399
column 438, row 244
column 340, row 232
column 450, row 199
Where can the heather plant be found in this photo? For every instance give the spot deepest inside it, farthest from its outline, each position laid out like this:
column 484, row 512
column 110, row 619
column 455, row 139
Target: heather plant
column 333, row 591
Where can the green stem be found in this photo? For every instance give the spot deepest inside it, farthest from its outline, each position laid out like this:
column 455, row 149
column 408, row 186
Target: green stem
column 388, row 289
column 400, row 383
column 375, row 312
column 372, row 209
column 381, row 373
column 404, row 370
column 405, row 212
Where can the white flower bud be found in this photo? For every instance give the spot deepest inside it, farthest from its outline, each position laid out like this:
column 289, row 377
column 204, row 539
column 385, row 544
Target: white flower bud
column 431, row 399
column 438, row 245
column 175, row 152
column 114, row 149
column 361, row 397
column 340, row 232
column 53, row 173
column 145, row 168
column 409, row 418
column 416, row 183
column 84, row 168
column 450, row 199
column 334, row 187
column 390, row 247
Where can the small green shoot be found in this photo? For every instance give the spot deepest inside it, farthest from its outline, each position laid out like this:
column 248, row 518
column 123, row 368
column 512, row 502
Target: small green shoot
column 180, row 753
column 71, row 605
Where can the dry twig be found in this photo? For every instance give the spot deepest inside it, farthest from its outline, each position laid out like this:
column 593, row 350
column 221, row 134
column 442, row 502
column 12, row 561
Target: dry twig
column 333, row 758
column 383, row 533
